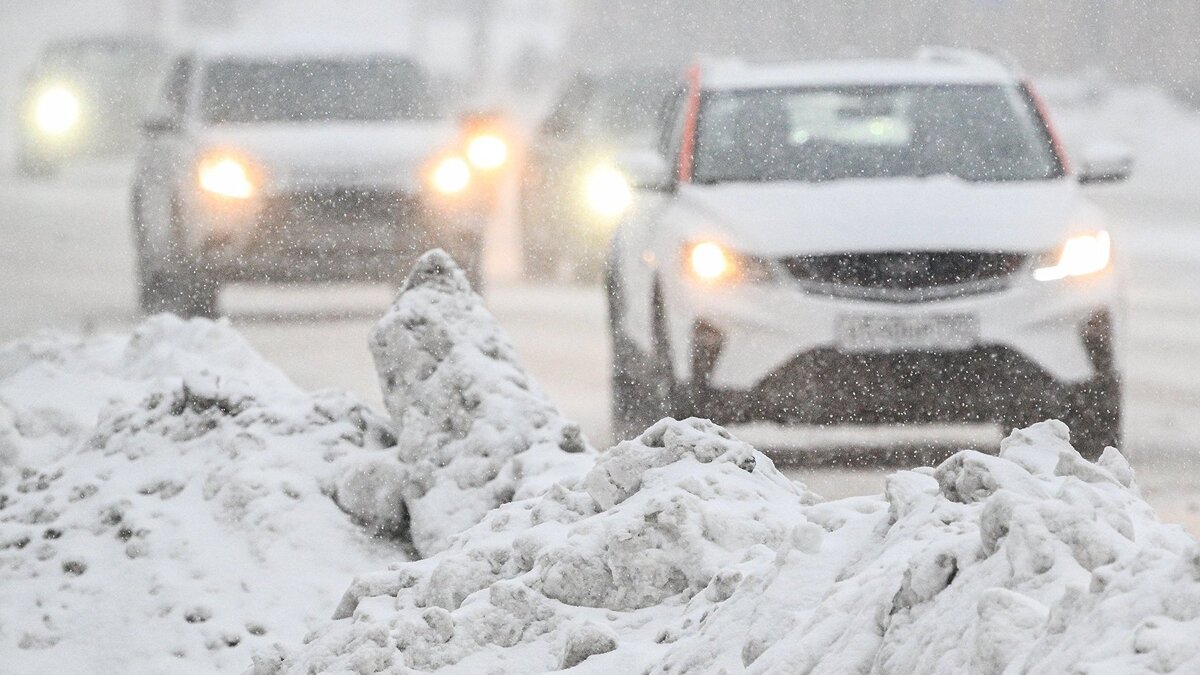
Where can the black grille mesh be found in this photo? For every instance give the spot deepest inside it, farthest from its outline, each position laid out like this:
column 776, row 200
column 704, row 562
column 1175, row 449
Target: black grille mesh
column 904, row 271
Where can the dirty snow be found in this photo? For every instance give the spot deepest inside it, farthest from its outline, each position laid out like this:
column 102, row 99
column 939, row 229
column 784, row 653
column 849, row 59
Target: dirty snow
column 474, row 430
column 686, row 551
column 165, row 506
column 171, row 503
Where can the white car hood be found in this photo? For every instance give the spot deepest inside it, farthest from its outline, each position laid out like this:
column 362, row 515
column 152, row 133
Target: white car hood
column 314, row 156
column 905, row 214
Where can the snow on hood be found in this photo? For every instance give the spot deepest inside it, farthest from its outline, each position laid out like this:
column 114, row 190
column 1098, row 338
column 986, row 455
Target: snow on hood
column 684, row 550
column 188, row 520
column 298, row 156
column 904, row 214
column 474, row 429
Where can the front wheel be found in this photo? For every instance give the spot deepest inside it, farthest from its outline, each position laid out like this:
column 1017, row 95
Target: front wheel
column 36, row 168
column 1094, row 415
column 643, row 386
column 182, row 291
column 179, row 284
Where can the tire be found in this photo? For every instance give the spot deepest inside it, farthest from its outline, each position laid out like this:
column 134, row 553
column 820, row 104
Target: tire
column 1092, row 410
column 1095, row 415
column 181, row 286
column 643, row 386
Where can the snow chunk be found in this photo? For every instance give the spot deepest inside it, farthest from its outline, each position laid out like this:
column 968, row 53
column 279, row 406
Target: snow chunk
column 557, row 578
column 474, row 430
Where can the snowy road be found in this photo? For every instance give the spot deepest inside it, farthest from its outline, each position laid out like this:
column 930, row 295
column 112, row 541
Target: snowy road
column 66, row 263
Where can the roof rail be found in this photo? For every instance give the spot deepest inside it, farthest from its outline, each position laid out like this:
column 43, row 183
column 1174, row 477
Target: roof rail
column 962, row 56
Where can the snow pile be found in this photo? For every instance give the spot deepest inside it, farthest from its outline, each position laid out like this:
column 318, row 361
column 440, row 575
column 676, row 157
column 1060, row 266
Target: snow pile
column 188, row 521
column 474, row 430
column 53, row 387
column 686, row 551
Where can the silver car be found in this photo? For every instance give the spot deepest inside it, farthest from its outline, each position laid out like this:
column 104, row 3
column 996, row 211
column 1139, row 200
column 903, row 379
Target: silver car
column 290, row 165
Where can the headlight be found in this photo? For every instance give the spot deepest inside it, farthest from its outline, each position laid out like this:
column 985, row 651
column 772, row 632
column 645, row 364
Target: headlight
column 607, row 193
column 56, row 111
column 226, row 176
column 708, row 261
column 487, row 151
column 1079, row 256
column 711, row 262
column 450, row 176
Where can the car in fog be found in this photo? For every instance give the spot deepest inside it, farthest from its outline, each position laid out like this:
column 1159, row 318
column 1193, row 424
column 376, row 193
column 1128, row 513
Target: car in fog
column 572, row 192
column 288, row 163
column 85, row 97
column 866, row 241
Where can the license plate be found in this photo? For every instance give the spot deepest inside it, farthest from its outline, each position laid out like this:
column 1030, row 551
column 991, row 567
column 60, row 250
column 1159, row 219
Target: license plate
column 907, row 333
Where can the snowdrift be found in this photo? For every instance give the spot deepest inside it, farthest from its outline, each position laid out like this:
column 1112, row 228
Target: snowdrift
column 686, row 551
column 171, row 503
column 168, row 505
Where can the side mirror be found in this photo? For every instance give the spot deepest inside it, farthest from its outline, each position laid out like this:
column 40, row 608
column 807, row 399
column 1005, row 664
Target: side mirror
column 1105, row 163
column 161, row 125
column 647, row 170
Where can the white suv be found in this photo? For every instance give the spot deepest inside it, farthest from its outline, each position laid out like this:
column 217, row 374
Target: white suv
column 866, row 241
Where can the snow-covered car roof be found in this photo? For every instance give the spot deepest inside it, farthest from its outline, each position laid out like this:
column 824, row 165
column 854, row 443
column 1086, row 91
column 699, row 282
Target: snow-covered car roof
column 292, row 48
column 948, row 67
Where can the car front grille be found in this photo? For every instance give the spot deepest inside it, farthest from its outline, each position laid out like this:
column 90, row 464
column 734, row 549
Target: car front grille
column 341, row 221
column 349, row 206
column 905, row 276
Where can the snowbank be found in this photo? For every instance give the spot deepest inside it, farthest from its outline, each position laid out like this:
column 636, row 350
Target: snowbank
column 474, row 430
column 686, row 551
column 168, row 509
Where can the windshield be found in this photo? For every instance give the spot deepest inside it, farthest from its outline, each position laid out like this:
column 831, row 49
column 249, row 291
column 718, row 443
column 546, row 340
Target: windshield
column 363, row 90
column 974, row 132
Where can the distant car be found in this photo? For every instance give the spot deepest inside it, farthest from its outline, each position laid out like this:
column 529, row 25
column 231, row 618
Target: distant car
column 86, row 98
column 275, row 164
column 572, row 195
column 893, row 241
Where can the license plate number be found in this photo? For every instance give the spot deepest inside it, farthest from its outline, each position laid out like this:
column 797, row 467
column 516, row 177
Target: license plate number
column 920, row 333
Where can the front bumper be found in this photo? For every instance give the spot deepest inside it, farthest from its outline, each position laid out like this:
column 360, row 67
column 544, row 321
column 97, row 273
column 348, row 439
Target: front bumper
column 330, row 234
column 777, row 347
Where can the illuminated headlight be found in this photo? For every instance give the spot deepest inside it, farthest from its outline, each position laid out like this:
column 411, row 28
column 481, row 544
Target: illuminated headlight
column 711, row 262
column 487, row 151
column 226, row 176
column 1080, row 256
column 56, row 111
column 607, row 193
column 451, row 175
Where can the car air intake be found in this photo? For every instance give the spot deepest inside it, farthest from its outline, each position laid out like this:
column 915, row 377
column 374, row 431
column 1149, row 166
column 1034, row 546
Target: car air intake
column 909, row 276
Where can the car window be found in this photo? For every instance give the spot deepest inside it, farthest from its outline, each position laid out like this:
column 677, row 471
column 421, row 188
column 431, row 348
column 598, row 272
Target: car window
column 974, row 132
